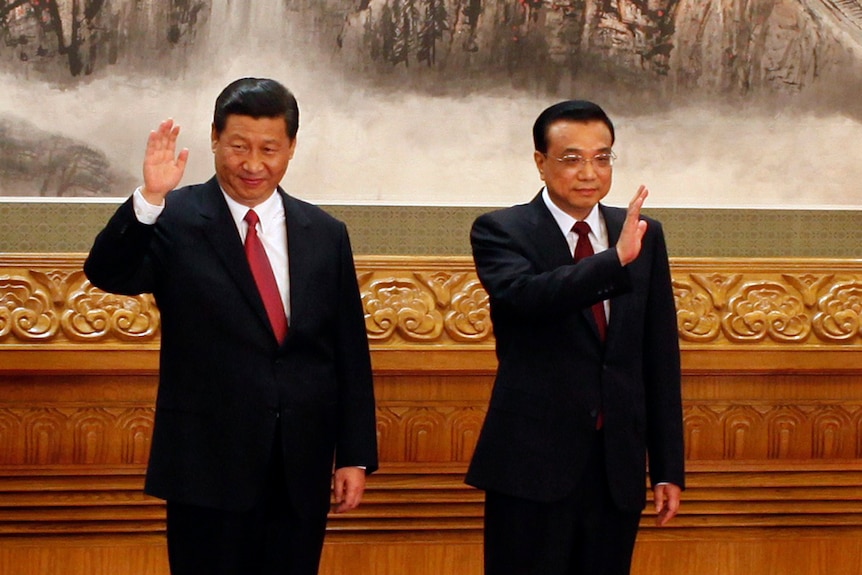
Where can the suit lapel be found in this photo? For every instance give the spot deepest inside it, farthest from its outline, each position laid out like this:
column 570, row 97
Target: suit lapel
column 614, row 219
column 552, row 248
column 300, row 256
column 220, row 230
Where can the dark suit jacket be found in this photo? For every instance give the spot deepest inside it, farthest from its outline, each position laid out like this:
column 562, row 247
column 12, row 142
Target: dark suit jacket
column 554, row 372
column 224, row 383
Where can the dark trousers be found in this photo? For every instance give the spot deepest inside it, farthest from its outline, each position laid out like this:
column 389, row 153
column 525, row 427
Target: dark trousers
column 268, row 539
column 584, row 534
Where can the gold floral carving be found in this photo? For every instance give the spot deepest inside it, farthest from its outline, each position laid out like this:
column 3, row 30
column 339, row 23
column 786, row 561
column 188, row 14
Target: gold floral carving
column 93, row 314
column 401, row 306
column 27, row 312
column 766, row 309
column 697, row 319
column 717, row 286
column 46, row 306
column 426, row 306
column 422, row 301
column 469, row 318
column 762, row 306
column 839, row 315
column 441, row 284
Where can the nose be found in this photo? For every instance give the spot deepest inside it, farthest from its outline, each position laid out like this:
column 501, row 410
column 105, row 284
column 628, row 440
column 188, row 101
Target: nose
column 587, row 171
column 253, row 161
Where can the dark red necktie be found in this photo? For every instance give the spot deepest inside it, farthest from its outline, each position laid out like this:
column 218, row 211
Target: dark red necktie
column 264, row 277
column 584, row 249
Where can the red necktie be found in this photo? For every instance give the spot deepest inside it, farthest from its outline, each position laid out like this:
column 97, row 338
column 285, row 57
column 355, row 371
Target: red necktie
column 584, row 249
column 264, row 278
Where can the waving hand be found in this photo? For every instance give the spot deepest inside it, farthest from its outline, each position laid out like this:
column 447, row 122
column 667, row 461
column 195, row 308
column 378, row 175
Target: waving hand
column 163, row 167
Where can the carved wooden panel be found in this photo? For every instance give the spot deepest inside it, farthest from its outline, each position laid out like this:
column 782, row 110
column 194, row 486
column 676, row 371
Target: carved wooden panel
column 422, row 301
column 772, row 390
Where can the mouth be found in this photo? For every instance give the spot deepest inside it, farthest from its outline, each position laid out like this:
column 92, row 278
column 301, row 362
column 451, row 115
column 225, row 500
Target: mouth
column 252, row 182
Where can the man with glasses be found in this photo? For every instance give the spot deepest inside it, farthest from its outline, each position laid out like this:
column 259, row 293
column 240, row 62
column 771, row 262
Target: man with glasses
column 588, row 383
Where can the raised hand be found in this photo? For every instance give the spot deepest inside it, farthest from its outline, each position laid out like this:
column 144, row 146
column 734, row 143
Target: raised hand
column 629, row 244
column 163, row 168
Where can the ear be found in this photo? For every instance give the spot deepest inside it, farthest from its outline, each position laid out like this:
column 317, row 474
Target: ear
column 213, row 138
column 540, row 158
column 292, row 149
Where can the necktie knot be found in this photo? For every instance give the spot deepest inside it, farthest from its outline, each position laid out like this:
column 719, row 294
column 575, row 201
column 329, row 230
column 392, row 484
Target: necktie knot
column 582, row 229
column 252, row 219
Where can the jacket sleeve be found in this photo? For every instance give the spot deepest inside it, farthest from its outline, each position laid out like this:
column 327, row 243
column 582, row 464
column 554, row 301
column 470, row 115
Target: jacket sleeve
column 662, row 373
column 507, row 264
column 357, row 428
column 120, row 260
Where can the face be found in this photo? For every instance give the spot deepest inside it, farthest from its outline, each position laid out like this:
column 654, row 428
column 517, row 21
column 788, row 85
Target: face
column 251, row 157
column 576, row 190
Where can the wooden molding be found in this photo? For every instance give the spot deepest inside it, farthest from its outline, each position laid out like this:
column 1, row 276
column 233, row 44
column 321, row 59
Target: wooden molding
column 772, row 394
column 422, row 301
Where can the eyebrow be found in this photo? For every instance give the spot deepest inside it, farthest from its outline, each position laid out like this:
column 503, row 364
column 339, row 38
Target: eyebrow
column 581, row 150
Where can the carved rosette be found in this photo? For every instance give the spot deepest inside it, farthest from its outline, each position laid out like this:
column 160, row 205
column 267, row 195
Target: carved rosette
column 765, row 309
column 401, row 306
column 469, row 318
column 95, row 315
column 26, row 310
column 839, row 315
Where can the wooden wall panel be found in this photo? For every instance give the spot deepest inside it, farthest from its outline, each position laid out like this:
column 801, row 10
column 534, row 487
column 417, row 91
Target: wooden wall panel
column 772, row 367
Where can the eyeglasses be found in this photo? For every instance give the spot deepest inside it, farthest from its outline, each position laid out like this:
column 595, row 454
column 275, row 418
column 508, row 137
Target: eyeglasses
column 576, row 162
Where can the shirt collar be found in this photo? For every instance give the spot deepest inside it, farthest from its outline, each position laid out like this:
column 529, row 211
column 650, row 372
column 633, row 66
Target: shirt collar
column 268, row 211
column 566, row 222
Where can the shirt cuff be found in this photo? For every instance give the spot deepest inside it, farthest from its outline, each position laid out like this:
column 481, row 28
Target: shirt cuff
column 146, row 212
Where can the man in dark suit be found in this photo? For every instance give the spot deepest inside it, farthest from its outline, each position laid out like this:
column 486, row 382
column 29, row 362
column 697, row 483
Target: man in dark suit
column 265, row 387
column 588, row 383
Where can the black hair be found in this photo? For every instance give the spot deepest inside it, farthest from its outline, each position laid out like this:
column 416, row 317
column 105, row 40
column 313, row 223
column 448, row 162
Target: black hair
column 258, row 98
column 572, row 110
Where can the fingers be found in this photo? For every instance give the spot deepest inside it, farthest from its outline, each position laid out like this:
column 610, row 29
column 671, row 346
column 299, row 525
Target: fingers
column 338, row 489
column 182, row 159
column 163, row 138
column 629, row 244
column 637, row 203
column 639, row 196
column 348, row 488
column 163, row 167
column 667, row 502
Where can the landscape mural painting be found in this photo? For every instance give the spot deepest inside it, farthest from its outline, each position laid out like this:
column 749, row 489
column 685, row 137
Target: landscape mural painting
column 727, row 103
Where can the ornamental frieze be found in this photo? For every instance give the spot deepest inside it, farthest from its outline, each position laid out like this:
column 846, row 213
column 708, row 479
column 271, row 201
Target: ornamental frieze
column 420, row 301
